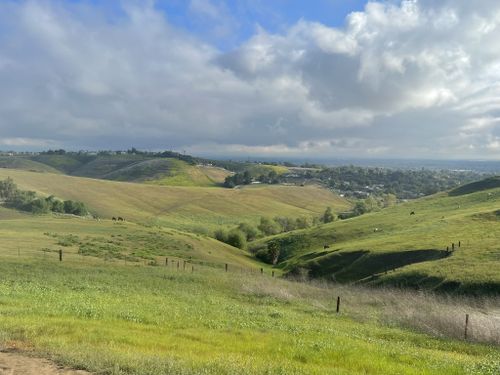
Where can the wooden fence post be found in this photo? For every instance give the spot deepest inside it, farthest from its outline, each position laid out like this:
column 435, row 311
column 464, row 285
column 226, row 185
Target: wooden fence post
column 60, row 255
column 192, row 269
column 166, row 262
column 226, row 267
column 338, row 305
column 262, row 271
column 466, row 325
column 273, row 274
column 178, row 264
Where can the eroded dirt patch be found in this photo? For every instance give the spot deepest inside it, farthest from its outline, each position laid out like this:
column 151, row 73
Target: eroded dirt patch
column 13, row 363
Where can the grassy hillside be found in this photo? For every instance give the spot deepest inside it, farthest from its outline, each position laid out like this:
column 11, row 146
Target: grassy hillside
column 112, row 318
column 188, row 208
column 15, row 162
column 37, row 236
column 122, row 167
column 364, row 248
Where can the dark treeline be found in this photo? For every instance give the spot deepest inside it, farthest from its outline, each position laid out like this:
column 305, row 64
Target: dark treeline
column 29, row 201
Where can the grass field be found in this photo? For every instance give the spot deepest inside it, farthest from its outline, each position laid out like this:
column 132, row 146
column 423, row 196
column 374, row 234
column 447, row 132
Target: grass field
column 363, row 248
column 123, row 319
column 188, row 208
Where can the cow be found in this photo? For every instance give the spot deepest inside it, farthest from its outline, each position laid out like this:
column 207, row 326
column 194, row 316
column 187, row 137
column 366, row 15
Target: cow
column 114, row 218
column 412, row 213
column 326, row 247
column 121, row 218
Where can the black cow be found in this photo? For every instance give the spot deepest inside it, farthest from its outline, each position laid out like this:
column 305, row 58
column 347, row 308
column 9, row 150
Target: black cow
column 412, row 213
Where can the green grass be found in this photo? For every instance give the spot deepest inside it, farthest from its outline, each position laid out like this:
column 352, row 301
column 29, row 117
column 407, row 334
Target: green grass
column 188, row 208
column 413, row 244
column 117, row 319
column 16, row 162
column 36, row 236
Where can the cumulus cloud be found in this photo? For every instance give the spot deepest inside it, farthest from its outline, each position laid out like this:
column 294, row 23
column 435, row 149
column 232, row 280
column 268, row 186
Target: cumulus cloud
column 413, row 79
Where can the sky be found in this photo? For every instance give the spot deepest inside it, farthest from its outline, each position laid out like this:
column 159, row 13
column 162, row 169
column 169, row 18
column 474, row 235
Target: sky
column 270, row 78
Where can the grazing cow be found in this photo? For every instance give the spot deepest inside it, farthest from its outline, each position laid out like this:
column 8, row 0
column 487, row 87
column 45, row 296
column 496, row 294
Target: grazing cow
column 114, row 218
column 121, row 218
column 376, row 229
column 412, row 213
column 326, row 247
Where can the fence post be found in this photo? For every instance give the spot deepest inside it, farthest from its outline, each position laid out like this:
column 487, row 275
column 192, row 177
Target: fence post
column 273, row 274
column 178, row 264
column 338, row 304
column 459, row 243
column 192, row 269
column 166, row 262
column 183, row 265
column 226, row 267
column 466, row 325
column 60, row 255
column 262, row 271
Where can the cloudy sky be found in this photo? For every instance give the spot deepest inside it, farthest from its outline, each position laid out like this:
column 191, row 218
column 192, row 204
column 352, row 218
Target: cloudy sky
column 283, row 78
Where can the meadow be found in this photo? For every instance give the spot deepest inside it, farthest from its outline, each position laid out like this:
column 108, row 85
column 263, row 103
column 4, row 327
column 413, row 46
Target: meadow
column 116, row 318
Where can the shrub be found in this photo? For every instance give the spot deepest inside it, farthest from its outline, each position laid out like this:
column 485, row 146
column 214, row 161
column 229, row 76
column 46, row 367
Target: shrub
column 237, row 239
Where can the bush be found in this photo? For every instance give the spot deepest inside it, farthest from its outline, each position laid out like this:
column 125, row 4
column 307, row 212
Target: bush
column 269, row 227
column 75, row 208
column 221, row 235
column 250, row 231
column 237, row 239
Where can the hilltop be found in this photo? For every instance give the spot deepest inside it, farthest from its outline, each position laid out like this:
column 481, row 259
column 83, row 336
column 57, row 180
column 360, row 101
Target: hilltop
column 406, row 244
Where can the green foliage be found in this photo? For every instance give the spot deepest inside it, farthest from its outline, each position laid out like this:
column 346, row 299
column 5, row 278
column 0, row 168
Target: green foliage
column 237, row 239
column 328, row 216
column 75, row 208
column 29, row 201
column 251, row 232
column 268, row 226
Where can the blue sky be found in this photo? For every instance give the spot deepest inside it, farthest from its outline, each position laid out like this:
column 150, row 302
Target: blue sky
column 274, row 16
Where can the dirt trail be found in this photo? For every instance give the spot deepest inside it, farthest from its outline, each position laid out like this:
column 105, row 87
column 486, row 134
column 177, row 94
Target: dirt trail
column 12, row 363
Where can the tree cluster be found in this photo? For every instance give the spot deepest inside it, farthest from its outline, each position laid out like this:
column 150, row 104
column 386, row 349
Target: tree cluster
column 28, row 201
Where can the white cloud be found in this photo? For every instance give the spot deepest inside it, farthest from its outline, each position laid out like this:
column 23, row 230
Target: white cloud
column 409, row 79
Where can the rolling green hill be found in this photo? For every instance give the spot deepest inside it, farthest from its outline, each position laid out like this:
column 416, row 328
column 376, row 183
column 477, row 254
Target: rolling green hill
column 168, row 171
column 200, row 209
column 411, row 247
column 15, row 162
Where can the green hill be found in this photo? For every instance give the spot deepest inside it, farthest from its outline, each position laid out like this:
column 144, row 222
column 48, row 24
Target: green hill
column 397, row 247
column 200, row 209
column 168, row 171
column 16, row 162
column 486, row 184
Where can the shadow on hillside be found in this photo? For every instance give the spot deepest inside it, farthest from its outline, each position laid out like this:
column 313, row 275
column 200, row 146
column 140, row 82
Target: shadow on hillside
column 487, row 184
column 360, row 265
column 419, row 280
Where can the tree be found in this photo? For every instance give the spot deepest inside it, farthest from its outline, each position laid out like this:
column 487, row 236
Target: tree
column 302, row 223
column 360, row 208
column 7, row 189
column 328, row 216
column 250, row 231
column 268, row 226
column 75, row 208
column 220, row 235
column 237, row 239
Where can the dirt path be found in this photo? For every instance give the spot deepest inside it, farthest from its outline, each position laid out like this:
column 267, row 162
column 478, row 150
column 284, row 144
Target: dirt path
column 12, row 363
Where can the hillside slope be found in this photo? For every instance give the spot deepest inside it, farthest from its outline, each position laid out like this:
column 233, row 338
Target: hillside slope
column 188, row 208
column 412, row 247
column 169, row 171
